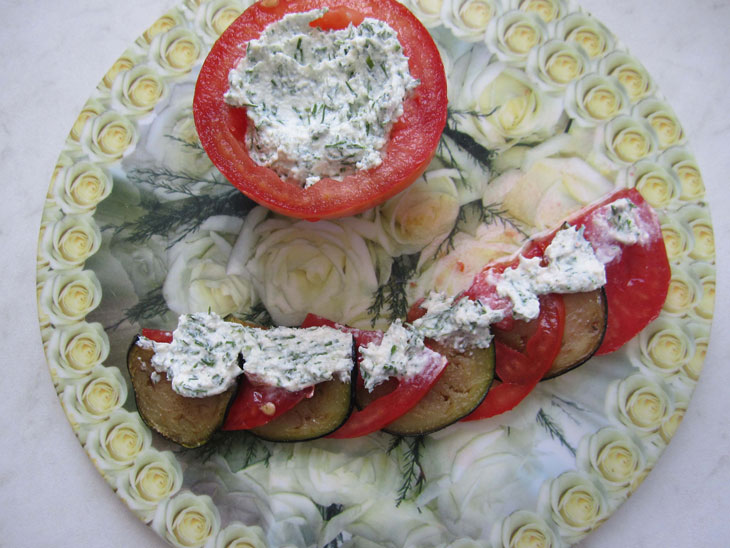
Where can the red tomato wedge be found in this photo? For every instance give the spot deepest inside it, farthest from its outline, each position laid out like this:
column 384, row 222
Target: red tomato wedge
column 389, row 407
column 520, row 372
column 542, row 347
column 413, row 138
column 501, row 398
column 257, row 404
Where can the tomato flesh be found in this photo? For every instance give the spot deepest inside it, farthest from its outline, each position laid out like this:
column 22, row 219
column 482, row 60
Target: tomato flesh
column 257, row 404
column 338, row 18
column 157, row 335
column 637, row 280
column 388, row 407
column 413, row 137
column 637, row 283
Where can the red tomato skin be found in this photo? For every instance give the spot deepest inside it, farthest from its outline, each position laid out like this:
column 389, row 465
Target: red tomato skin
column 413, row 138
column 502, row 397
column 541, row 349
column 338, row 18
column 389, row 407
column 637, row 281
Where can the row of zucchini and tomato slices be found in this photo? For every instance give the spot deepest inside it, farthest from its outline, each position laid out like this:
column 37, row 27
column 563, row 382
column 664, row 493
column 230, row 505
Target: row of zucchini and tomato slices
column 474, row 384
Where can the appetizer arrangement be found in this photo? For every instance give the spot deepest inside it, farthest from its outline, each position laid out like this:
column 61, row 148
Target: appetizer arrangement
column 421, row 389
column 458, row 253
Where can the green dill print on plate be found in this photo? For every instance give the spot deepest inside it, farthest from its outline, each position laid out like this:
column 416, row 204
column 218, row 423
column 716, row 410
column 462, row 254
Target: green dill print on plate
column 548, row 113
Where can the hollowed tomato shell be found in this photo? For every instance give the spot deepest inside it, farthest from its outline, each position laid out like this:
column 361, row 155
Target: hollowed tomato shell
column 413, row 138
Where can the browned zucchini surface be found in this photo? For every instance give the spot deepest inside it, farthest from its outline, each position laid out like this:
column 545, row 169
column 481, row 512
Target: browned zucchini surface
column 313, row 417
column 364, row 397
column 585, row 324
column 518, row 336
column 189, row 422
column 461, row 388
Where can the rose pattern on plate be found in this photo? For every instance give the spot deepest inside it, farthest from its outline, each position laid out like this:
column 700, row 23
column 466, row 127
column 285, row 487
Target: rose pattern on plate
column 548, row 112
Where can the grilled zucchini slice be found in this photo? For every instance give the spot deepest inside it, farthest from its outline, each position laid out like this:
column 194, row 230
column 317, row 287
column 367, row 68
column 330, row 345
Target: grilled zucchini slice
column 315, row 417
column 189, row 422
column 462, row 387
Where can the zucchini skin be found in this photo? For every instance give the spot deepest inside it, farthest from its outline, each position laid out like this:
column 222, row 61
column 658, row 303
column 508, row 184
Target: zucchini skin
column 189, row 422
column 462, row 387
column 586, row 320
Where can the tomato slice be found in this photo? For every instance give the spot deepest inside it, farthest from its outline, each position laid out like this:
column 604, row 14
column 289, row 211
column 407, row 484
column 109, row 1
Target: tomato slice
column 637, row 280
column 257, row 404
column 413, row 138
column 157, row 335
column 530, row 365
column 519, row 372
column 387, row 408
column 501, row 398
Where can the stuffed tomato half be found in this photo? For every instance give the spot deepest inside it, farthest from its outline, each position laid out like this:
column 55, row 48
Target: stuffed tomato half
column 349, row 151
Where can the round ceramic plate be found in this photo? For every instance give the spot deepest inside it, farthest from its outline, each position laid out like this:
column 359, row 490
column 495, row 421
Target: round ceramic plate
column 548, row 112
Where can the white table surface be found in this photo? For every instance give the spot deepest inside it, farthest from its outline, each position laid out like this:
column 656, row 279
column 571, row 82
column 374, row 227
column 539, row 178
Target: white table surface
column 54, row 53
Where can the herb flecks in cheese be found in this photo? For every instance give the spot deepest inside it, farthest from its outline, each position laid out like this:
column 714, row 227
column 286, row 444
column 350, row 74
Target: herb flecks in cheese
column 402, row 354
column 619, row 223
column 202, row 359
column 320, row 103
column 459, row 324
column 572, row 267
column 295, row 358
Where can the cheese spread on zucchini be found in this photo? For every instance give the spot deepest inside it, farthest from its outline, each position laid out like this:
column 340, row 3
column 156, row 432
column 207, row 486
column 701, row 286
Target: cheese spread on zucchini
column 320, row 103
column 295, row 358
column 572, row 267
column 202, row 359
column 401, row 353
column 461, row 324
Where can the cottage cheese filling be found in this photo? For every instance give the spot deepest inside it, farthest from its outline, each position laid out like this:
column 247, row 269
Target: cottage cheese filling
column 619, row 222
column 402, row 353
column 459, row 324
column 572, row 267
column 320, row 103
column 202, row 359
column 295, row 358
